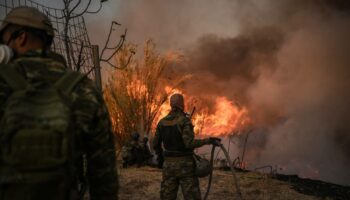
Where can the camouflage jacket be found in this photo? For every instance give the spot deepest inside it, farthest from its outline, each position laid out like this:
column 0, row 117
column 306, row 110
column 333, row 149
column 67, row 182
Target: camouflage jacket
column 176, row 133
column 92, row 119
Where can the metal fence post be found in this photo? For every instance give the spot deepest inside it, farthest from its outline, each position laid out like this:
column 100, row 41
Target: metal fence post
column 97, row 67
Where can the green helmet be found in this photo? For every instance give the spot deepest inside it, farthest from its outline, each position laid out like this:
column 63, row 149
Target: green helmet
column 28, row 17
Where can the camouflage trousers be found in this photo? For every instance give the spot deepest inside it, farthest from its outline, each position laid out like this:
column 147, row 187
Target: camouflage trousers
column 179, row 171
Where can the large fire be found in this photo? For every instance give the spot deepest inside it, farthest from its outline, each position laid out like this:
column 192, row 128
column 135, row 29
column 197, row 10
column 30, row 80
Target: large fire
column 222, row 117
column 226, row 118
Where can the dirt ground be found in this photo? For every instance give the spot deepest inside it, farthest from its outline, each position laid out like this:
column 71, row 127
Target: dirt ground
column 144, row 183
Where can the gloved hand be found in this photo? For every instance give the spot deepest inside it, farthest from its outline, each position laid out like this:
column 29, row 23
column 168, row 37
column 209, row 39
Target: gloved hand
column 215, row 141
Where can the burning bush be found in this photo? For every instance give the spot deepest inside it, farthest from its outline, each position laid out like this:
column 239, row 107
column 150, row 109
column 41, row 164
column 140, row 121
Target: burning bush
column 135, row 95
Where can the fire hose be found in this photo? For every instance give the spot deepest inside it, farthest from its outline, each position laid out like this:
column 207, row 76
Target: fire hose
column 236, row 184
column 235, row 179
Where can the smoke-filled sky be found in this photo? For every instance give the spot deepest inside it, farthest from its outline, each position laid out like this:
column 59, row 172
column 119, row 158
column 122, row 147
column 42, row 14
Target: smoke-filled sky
column 287, row 61
column 282, row 59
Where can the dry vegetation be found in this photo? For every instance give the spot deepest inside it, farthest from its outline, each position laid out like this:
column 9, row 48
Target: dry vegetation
column 144, row 183
column 134, row 95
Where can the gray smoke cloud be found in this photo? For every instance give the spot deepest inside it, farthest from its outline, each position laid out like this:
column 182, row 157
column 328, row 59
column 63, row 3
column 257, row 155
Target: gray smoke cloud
column 304, row 78
column 172, row 24
column 287, row 61
column 293, row 74
column 289, row 66
column 310, row 86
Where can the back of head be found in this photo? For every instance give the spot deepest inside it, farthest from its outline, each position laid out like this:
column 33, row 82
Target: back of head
column 177, row 102
column 31, row 18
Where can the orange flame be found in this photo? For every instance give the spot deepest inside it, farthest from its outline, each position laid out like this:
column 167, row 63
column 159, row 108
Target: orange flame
column 227, row 118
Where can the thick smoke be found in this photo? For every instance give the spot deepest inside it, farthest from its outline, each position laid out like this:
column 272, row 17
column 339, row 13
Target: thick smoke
column 292, row 72
column 287, row 61
column 231, row 65
column 310, row 86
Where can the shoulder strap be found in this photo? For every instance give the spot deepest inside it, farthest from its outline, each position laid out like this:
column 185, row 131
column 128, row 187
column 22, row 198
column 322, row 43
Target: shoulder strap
column 68, row 81
column 15, row 80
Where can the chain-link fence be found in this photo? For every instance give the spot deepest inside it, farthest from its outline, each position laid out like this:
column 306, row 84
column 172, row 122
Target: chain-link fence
column 79, row 42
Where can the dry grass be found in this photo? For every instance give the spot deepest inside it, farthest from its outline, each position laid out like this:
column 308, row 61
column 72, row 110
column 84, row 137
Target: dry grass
column 144, row 183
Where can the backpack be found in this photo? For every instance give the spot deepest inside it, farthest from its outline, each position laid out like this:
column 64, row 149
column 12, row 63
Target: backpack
column 37, row 139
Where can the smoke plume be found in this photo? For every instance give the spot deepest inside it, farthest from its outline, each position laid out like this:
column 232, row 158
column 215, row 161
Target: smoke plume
column 286, row 61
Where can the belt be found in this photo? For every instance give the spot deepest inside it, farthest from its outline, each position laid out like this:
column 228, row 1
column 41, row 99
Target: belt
column 177, row 153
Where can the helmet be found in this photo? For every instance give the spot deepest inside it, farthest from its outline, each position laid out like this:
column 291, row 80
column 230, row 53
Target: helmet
column 203, row 167
column 28, row 17
column 177, row 101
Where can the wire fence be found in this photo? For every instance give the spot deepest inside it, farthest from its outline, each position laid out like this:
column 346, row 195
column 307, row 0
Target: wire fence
column 79, row 41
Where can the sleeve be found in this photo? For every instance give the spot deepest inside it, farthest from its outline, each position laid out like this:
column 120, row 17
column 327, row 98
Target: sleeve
column 157, row 146
column 157, row 141
column 99, row 146
column 188, row 135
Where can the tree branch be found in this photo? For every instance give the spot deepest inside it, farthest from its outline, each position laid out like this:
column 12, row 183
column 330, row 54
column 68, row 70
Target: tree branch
column 83, row 12
column 75, row 7
column 115, row 48
column 124, row 66
column 118, row 46
column 94, row 12
column 80, row 60
column 109, row 37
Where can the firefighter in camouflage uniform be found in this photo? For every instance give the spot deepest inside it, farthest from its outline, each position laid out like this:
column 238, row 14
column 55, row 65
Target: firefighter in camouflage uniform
column 53, row 120
column 175, row 132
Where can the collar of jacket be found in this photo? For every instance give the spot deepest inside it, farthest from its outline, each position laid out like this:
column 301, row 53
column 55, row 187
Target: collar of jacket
column 176, row 112
column 34, row 53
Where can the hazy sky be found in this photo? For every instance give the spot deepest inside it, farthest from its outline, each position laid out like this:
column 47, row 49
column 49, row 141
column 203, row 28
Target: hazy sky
column 172, row 24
